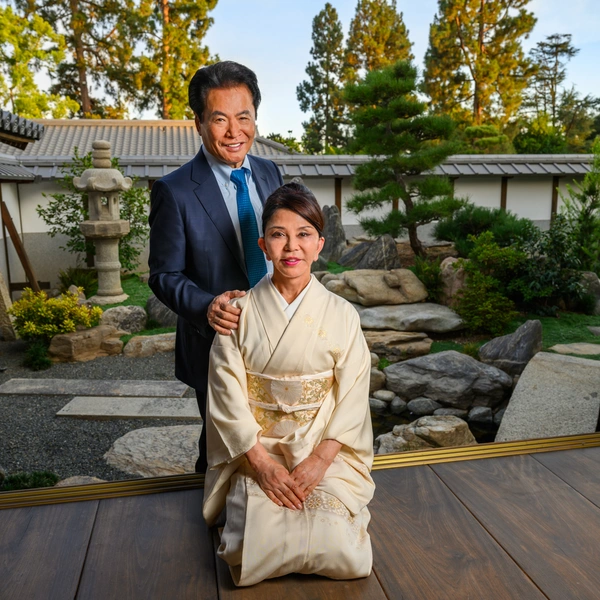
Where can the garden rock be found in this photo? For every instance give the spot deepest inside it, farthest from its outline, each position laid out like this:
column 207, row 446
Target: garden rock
column 453, row 280
column 319, row 265
column 398, row 345
column 594, row 330
column 398, row 406
column 577, row 348
column 384, row 395
column 453, row 379
column 512, row 352
column 377, row 380
column 381, row 254
column 371, row 287
column 426, row 316
column 156, row 451
column 498, row 416
column 73, row 289
column 374, row 359
column 81, row 346
column 127, row 318
column 328, row 277
column 591, row 282
column 147, row 345
column 320, row 274
column 482, row 415
column 378, row 406
column 354, row 255
column 426, row 432
column 423, row 406
column 79, row 480
column 453, row 412
column 6, row 327
column 334, row 234
column 144, row 278
column 160, row 313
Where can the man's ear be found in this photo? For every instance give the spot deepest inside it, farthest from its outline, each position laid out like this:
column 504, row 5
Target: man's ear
column 197, row 122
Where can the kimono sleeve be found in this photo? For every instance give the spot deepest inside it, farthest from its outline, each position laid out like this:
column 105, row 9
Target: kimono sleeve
column 231, row 427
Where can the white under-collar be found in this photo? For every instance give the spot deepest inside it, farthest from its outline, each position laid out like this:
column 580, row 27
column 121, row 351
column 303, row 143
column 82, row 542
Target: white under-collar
column 290, row 309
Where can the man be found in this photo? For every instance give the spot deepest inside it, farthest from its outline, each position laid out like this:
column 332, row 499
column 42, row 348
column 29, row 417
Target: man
column 205, row 219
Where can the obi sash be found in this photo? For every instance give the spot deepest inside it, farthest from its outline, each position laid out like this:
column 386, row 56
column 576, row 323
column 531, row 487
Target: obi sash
column 281, row 405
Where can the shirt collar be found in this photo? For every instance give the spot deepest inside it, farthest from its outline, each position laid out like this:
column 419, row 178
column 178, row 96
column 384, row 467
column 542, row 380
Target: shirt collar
column 220, row 169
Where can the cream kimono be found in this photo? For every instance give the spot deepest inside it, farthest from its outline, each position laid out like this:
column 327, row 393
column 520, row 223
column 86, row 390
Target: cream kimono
column 291, row 385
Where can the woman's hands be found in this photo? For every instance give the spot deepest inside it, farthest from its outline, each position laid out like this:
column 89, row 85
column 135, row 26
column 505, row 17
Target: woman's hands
column 310, row 472
column 274, row 479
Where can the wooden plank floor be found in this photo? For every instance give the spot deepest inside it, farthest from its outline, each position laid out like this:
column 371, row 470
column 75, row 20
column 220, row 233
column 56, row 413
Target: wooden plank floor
column 518, row 527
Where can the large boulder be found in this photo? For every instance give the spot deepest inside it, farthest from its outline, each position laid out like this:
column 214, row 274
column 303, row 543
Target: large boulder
column 398, row 345
column 156, row 451
column 147, row 345
column 512, row 352
column 453, row 280
column 379, row 254
column 371, row 287
column 426, row 432
column 450, row 378
column 335, row 236
column 424, row 316
column 160, row 313
column 591, row 283
column 81, row 346
column 127, row 318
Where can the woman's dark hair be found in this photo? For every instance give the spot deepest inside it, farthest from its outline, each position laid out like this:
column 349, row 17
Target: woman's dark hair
column 225, row 74
column 297, row 198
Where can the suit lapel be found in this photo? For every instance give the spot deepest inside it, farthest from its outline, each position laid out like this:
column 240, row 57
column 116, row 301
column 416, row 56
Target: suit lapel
column 260, row 180
column 211, row 198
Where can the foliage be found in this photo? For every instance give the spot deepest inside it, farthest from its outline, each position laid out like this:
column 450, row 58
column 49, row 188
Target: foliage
column 334, row 268
column 576, row 114
column 38, row 317
column 321, row 94
column 290, row 141
column 86, row 279
column 475, row 67
column 151, row 329
column 471, row 349
column 473, row 220
column 429, row 274
column 485, row 139
column 378, row 38
column 36, row 355
column 582, row 210
column 172, row 51
column 383, row 363
column 67, row 210
column 390, row 126
column 29, row 45
column 25, row 481
column 540, row 137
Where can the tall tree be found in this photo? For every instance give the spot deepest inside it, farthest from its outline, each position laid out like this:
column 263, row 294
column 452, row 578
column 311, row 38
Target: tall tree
column 29, row 45
column 322, row 93
column 475, row 67
column 391, row 126
column 174, row 31
column 100, row 37
column 378, row 38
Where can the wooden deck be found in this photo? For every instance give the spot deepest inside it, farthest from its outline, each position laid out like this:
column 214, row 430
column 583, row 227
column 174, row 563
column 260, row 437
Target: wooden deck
column 520, row 527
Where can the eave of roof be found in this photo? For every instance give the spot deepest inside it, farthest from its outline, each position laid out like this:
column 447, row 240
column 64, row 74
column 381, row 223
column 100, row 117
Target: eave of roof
column 17, row 131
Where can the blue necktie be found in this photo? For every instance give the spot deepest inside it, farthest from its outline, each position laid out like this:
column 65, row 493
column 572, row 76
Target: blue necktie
column 255, row 259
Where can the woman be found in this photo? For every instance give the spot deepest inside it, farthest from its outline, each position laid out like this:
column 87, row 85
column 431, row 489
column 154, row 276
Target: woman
column 290, row 443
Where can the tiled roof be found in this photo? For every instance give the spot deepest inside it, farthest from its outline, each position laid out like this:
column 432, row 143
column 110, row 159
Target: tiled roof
column 17, row 132
column 12, row 172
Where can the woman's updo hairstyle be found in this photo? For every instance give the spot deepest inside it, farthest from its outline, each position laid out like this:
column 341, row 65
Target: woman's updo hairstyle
column 297, row 198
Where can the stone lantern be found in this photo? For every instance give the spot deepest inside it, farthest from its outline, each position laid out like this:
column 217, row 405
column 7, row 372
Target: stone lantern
column 103, row 185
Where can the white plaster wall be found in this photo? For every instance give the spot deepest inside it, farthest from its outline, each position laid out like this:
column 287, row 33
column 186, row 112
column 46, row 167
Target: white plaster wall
column 482, row 191
column 530, row 197
column 31, row 197
column 562, row 188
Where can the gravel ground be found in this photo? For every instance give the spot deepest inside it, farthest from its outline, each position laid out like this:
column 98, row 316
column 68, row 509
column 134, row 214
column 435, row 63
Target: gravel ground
column 32, row 438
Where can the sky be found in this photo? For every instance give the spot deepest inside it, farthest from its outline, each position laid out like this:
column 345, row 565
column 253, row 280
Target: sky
column 273, row 38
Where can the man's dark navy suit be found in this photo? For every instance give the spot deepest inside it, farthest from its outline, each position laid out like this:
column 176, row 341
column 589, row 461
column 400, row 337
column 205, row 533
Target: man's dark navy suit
column 195, row 256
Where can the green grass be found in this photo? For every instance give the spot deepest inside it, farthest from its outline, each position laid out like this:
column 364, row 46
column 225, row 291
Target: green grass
column 137, row 291
column 26, row 481
column 334, row 268
column 155, row 331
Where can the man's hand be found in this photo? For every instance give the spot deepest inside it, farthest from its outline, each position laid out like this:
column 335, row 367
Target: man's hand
column 222, row 316
column 274, row 479
column 310, row 472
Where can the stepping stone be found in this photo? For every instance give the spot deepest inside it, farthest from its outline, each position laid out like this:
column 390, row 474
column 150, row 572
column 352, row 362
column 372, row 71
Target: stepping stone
column 556, row 395
column 93, row 387
column 579, row 348
column 594, row 330
column 102, row 407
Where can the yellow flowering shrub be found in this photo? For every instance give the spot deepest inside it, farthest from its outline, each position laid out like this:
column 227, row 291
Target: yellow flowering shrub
column 38, row 317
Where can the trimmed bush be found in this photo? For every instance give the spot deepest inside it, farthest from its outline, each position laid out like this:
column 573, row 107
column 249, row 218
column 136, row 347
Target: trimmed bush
column 429, row 273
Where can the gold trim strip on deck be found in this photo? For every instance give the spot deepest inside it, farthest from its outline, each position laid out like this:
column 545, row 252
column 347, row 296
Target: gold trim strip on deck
column 175, row 483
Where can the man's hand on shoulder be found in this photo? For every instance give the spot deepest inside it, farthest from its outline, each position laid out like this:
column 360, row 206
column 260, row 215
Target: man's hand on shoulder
column 222, row 316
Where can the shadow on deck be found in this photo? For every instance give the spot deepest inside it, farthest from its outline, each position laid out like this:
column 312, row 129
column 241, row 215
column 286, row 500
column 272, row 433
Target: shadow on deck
column 522, row 524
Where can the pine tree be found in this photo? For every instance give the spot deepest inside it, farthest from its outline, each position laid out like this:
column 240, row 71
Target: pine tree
column 174, row 31
column 475, row 67
column 29, row 45
column 391, row 126
column 321, row 94
column 378, row 38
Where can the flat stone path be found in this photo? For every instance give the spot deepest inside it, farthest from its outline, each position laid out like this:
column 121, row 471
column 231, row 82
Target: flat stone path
column 103, row 407
column 582, row 348
column 556, row 395
column 93, row 387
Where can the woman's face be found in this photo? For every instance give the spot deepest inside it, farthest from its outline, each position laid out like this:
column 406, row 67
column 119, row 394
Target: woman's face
column 291, row 243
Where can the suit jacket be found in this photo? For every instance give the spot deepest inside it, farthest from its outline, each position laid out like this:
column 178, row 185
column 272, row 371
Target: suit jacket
column 195, row 254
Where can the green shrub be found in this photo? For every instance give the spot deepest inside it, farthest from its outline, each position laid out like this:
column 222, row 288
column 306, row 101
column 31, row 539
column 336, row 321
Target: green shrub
column 25, row 481
column 38, row 317
column 471, row 349
column 429, row 273
column 36, row 356
column 473, row 220
column 87, row 279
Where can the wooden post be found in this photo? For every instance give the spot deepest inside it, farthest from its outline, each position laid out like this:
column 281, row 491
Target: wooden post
column 554, row 207
column 503, row 193
column 338, row 193
column 16, row 240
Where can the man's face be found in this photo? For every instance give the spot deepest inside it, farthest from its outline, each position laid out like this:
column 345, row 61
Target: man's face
column 228, row 124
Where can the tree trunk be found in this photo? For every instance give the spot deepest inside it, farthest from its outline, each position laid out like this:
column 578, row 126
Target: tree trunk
column 165, row 103
column 78, row 29
column 477, row 107
column 415, row 242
